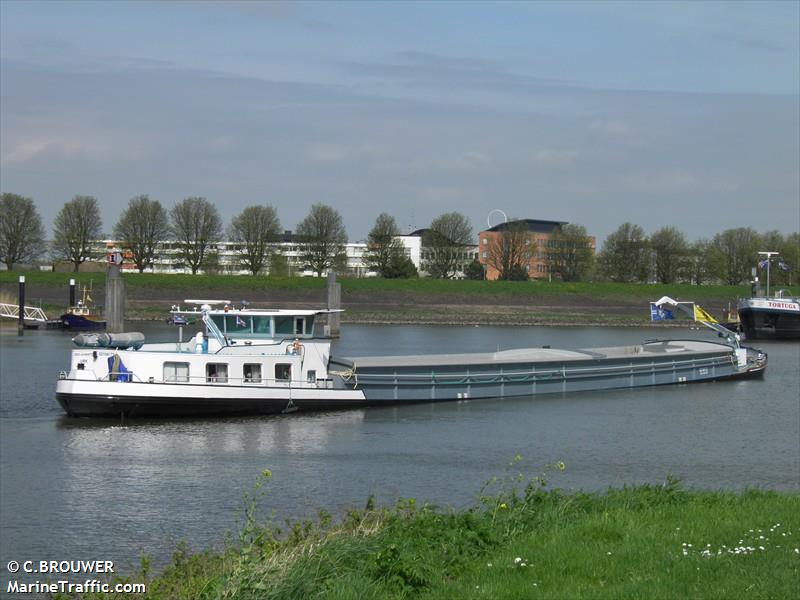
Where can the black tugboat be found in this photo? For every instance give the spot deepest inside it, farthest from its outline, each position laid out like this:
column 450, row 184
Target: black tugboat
column 83, row 316
column 770, row 317
column 775, row 318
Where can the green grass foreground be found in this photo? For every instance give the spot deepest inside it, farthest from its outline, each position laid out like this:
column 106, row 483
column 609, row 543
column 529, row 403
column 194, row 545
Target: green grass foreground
column 525, row 541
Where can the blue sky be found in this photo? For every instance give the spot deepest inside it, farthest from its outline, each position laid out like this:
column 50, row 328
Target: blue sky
column 659, row 113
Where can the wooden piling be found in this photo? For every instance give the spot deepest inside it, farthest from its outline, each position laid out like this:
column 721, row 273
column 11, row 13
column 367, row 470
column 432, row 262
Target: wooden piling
column 334, row 302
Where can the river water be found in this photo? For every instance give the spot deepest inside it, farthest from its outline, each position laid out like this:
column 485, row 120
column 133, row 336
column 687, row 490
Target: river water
column 82, row 489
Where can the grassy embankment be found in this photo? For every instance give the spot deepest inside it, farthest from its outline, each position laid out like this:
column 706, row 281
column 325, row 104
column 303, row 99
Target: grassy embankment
column 522, row 541
column 397, row 301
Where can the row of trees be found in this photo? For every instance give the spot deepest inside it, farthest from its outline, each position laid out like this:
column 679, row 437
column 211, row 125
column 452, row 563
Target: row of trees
column 666, row 256
column 627, row 255
column 194, row 223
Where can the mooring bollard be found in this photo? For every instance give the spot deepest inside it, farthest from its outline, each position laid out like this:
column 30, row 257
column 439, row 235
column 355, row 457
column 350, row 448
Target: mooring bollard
column 21, row 320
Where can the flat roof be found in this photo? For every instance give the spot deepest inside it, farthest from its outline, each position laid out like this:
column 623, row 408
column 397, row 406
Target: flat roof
column 535, row 225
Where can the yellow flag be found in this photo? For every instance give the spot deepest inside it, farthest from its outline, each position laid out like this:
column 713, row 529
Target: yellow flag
column 702, row 315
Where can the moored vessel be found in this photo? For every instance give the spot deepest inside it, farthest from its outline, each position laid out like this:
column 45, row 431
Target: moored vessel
column 82, row 315
column 770, row 316
column 264, row 361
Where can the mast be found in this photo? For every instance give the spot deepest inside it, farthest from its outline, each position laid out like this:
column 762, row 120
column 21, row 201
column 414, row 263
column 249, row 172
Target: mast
column 768, row 257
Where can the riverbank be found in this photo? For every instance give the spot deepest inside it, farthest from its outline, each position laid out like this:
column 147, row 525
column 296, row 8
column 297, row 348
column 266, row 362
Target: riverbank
column 518, row 541
column 371, row 301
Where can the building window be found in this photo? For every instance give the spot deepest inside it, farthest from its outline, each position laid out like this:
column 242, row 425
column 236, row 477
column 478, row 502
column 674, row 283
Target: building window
column 217, row 373
column 485, row 241
column 485, row 255
column 252, row 373
column 176, row 372
column 283, row 372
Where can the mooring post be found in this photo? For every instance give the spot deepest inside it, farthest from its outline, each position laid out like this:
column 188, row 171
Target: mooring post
column 115, row 295
column 71, row 293
column 21, row 319
column 334, row 302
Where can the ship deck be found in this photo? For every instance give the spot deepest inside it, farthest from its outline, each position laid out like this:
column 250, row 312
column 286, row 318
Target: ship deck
column 684, row 348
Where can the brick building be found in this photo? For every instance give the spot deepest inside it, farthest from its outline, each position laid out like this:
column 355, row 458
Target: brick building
column 541, row 233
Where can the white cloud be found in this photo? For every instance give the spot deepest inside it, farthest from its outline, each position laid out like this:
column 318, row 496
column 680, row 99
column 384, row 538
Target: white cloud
column 674, row 181
column 552, row 158
column 613, row 128
column 221, row 143
column 72, row 148
column 449, row 196
column 331, row 153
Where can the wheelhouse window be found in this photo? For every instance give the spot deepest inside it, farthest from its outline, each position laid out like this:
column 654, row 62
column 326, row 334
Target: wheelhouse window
column 284, row 325
column 283, row 372
column 311, row 377
column 237, row 324
column 217, row 372
column 299, row 325
column 252, row 373
column 176, row 372
column 262, row 325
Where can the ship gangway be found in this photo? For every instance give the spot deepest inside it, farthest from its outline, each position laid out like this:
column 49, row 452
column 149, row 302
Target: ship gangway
column 29, row 313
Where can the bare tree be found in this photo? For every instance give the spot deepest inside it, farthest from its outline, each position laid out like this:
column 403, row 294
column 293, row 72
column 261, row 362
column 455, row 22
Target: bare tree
column 196, row 225
column 444, row 245
column 671, row 253
column 625, row 257
column 511, row 250
column 323, row 238
column 140, row 228
column 384, row 251
column 256, row 228
column 21, row 232
column 76, row 226
column 569, row 252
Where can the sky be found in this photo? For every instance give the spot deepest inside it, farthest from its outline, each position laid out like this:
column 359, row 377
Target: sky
column 658, row 113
